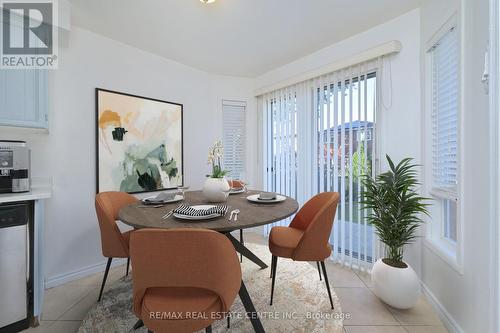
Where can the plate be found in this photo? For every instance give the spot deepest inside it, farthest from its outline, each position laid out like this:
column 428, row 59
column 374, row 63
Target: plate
column 177, row 198
column 255, row 198
column 207, row 217
column 241, row 190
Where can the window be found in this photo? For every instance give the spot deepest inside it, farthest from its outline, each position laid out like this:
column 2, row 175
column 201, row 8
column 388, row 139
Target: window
column 443, row 122
column 233, row 138
column 450, row 219
column 345, row 122
column 281, row 150
column 320, row 135
column 445, row 128
column 445, row 113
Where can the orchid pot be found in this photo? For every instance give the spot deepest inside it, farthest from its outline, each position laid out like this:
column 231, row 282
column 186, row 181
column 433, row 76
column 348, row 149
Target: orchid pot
column 216, row 189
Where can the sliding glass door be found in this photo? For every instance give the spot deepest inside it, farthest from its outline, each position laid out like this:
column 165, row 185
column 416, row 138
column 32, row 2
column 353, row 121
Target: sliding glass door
column 280, row 148
column 345, row 146
column 320, row 136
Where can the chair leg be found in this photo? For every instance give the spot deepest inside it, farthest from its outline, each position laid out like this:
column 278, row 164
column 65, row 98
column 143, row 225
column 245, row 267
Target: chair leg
column 105, row 277
column 271, row 271
column 208, row 329
column 128, row 265
column 319, row 270
column 149, row 331
column 228, row 321
column 327, row 284
column 274, row 264
column 138, row 324
column 242, row 242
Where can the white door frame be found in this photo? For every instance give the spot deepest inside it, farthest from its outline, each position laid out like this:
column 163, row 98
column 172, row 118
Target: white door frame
column 494, row 96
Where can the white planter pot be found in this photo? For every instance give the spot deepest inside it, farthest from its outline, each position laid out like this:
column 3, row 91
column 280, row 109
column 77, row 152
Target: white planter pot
column 214, row 189
column 398, row 287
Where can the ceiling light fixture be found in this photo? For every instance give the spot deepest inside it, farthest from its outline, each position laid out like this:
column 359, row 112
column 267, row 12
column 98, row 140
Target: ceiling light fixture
column 207, row 1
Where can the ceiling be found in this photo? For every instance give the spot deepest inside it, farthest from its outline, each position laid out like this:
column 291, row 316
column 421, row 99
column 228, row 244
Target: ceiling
column 234, row 37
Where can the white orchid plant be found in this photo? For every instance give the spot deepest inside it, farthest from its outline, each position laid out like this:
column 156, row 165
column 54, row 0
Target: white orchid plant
column 215, row 155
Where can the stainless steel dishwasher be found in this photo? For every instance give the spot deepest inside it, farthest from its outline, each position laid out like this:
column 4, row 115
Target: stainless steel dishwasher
column 16, row 266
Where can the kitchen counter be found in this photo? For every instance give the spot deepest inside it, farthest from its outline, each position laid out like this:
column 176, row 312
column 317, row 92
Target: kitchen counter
column 36, row 193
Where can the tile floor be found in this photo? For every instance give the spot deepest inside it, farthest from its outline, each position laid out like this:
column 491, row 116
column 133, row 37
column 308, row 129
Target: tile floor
column 65, row 306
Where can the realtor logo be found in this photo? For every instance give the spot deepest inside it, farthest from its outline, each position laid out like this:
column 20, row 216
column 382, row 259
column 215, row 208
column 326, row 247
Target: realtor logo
column 29, row 34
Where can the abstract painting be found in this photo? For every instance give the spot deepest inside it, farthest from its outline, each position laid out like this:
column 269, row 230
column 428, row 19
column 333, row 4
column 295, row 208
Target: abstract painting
column 139, row 143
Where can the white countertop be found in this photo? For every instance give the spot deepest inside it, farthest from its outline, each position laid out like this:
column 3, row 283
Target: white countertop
column 36, row 193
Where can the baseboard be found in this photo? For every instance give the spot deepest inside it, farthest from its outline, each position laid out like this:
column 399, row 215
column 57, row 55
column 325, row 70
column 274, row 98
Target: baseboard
column 447, row 319
column 81, row 273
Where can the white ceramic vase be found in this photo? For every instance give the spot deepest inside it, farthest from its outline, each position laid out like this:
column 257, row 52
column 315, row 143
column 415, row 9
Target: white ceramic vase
column 398, row 287
column 216, row 189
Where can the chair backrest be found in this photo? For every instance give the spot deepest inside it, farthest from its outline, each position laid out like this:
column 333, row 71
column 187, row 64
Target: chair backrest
column 236, row 183
column 188, row 258
column 315, row 218
column 107, row 206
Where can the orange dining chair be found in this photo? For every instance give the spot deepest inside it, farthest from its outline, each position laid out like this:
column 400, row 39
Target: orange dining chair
column 183, row 272
column 236, row 183
column 306, row 239
column 114, row 243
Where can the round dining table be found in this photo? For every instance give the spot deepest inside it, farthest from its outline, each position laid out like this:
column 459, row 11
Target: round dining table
column 251, row 214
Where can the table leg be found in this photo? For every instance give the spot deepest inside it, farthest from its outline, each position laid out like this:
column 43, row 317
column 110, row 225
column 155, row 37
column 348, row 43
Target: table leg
column 138, row 324
column 250, row 309
column 240, row 248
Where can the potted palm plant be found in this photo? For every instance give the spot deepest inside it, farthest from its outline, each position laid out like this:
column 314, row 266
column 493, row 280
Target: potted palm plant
column 395, row 210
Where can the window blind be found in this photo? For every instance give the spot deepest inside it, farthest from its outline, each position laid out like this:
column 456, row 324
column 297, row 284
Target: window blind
column 281, row 142
column 445, row 83
column 320, row 135
column 233, row 138
column 345, row 107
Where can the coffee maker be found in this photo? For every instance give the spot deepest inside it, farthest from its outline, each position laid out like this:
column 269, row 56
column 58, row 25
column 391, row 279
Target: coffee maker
column 14, row 167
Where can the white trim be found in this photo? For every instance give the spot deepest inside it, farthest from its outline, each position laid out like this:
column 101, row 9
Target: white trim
column 448, row 321
column 449, row 24
column 443, row 251
column 452, row 255
column 441, row 193
column 60, row 279
column 460, row 247
column 494, row 95
column 233, row 102
column 394, row 46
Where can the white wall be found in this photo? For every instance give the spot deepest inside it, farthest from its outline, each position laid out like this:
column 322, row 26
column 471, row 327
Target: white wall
column 465, row 298
column 400, row 121
column 67, row 153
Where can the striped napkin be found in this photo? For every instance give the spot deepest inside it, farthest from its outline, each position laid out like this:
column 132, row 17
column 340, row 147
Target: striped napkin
column 190, row 211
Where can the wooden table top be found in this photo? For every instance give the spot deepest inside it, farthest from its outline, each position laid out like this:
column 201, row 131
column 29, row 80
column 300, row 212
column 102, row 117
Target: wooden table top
column 251, row 214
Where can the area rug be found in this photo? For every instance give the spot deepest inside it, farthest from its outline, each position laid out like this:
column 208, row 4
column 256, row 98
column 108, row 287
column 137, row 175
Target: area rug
column 300, row 302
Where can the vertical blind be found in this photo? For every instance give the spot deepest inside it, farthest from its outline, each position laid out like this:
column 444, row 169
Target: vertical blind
column 320, row 135
column 445, row 80
column 233, row 138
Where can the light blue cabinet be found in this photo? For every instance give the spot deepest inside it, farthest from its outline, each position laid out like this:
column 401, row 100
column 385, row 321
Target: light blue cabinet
column 23, row 98
column 23, row 92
